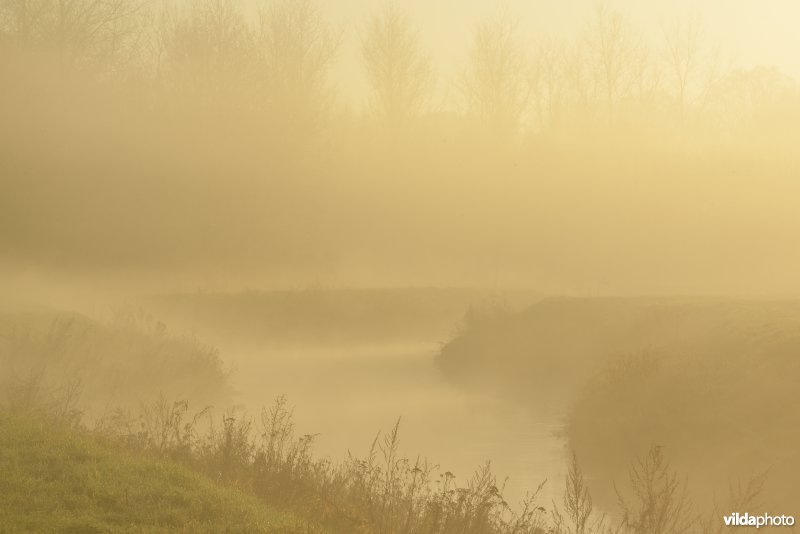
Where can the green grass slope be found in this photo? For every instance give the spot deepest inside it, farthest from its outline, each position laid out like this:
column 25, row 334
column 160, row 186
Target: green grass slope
column 53, row 479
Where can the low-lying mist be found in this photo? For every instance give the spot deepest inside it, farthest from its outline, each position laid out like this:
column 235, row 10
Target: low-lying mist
column 570, row 254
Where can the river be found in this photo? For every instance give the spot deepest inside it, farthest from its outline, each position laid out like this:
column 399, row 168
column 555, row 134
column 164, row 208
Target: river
column 347, row 395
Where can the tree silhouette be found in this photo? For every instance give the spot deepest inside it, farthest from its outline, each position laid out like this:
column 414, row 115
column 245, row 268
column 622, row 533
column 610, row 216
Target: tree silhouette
column 206, row 47
column 549, row 78
column 78, row 33
column 614, row 53
column 495, row 82
column 399, row 73
column 682, row 41
column 296, row 48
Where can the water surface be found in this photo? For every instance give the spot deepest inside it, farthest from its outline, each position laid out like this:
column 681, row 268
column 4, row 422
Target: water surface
column 347, row 395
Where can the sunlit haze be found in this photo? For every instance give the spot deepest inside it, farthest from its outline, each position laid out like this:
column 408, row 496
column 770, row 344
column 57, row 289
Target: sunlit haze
column 429, row 267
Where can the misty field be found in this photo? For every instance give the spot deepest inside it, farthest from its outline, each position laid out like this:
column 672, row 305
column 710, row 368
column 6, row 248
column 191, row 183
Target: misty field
column 304, row 266
column 264, row 456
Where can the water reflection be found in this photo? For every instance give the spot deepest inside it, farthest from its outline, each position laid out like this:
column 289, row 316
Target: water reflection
column 347, row 395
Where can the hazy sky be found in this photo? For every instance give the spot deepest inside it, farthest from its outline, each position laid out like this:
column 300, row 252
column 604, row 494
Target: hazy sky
column 749, row 32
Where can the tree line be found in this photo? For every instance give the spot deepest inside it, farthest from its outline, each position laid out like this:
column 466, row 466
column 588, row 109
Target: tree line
column 280, row 63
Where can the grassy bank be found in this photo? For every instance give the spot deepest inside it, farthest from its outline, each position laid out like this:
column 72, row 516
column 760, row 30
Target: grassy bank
column 58, row 479
column 168, row 465
column 118, row 362
column 250, row 477
column 557, row 344
column 713, row 381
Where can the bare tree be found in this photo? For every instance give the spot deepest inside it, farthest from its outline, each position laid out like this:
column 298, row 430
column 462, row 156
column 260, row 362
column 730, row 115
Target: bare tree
column 495, row 83
column 76, row 32
column 399, row 73
column 19, row 19
column 548, row 82
column 682, row 40
column 296, row 50
column 581, row 88
column 742, row 96
column 613, row 50
column 645, row 84
column 206, row 48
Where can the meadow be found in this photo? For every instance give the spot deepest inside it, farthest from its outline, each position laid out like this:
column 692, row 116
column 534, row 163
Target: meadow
column 168, row 464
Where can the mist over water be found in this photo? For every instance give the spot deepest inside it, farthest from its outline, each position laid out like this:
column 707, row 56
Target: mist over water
column 348, row 395
column 358, row 361
column 560, row 239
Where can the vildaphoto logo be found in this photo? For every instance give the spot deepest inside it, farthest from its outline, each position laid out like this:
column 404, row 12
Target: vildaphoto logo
column 746, row 520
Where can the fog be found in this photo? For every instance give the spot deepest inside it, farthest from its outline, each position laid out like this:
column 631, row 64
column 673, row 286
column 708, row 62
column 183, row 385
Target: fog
column 526, row 230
